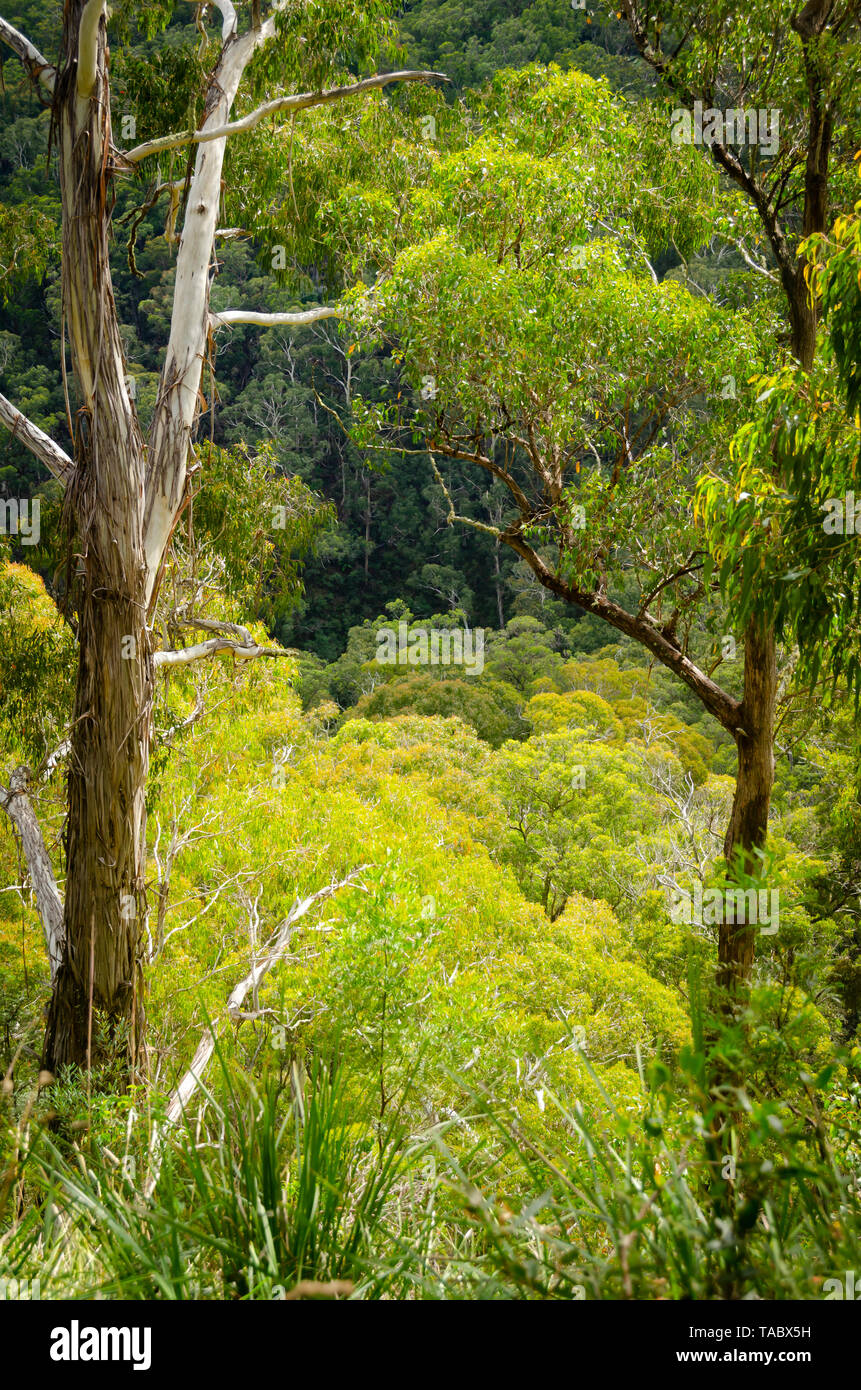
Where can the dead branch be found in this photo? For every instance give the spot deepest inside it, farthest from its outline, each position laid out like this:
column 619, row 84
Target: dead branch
column 249, row 982
column 16, row 803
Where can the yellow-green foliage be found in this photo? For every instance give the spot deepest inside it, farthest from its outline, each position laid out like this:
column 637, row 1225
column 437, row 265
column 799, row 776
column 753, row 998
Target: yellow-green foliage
column 617, row 704
column 436, row 965
column 628, row 1007
column 439, row 970
column 581, row 709
column 36, row 668
column 35, row 699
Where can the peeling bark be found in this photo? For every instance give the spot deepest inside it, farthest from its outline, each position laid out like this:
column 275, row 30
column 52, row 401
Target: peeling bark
column 97, row 1006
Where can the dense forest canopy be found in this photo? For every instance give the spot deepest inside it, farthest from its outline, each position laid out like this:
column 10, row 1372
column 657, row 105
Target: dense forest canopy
column 429, row 749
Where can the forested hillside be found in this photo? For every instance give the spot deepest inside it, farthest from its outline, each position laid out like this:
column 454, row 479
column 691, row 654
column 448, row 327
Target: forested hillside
column 383, row 545
column 429, row 745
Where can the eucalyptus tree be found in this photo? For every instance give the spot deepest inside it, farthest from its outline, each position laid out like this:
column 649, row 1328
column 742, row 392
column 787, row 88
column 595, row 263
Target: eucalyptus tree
column 787, row 535
column 769, row 91
column 521, row 288
column 125, row 492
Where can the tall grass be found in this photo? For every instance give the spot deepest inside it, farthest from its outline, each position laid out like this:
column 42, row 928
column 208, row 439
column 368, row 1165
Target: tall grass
column 263, row 1190
column 646, row 1210
column 271, row 1189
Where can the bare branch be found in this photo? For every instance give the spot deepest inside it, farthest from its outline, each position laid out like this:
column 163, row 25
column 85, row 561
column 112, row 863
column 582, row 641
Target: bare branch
column 179, row 389
column 301, row 101
column 88, row 47
column 237, row 630
column 55, row 459
column 787, row 674
column 453, row 517
column 251, row 981
column 290, row 320
column 179, row 840
column 228, row 15
column 189, row 721
column 755, row 265
column 16, row 803
column 231, row 637
column 170, row 432
column 38, row 68
column 52, row 760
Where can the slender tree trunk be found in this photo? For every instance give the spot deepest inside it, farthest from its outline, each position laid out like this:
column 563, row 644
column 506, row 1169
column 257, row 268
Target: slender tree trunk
column 803, row 314
column 123, row 502
column 747, row 831
column 497, row 579
column 748, row 825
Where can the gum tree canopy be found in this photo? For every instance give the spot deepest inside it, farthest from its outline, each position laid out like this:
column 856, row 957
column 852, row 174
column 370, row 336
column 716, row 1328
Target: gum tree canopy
column 595, row 392
column 124, row 493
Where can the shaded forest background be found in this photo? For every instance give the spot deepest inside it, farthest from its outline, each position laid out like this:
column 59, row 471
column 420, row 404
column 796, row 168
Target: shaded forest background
column 280, row 386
